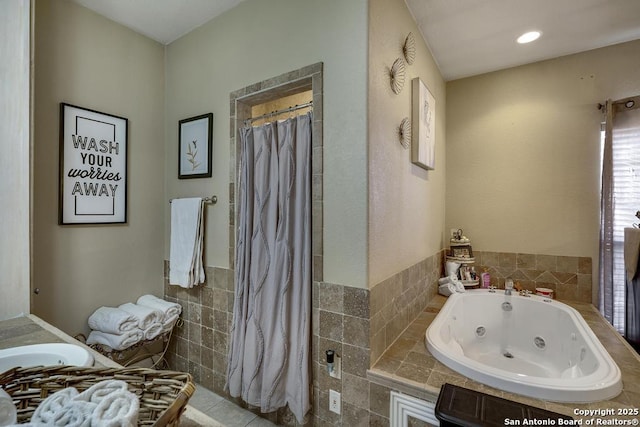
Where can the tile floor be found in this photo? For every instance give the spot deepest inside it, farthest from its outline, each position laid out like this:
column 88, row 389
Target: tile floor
column 223, row 411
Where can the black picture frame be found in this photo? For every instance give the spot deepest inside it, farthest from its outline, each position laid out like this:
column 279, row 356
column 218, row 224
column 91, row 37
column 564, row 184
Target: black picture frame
column 192, row 161
column 93, row 167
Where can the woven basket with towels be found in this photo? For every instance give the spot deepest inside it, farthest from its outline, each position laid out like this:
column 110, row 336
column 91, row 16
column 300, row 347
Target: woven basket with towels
column 163, row 395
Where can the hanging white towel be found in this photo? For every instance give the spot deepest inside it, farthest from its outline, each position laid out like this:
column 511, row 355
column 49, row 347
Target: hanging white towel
column 112, row 320
column 146, row 316
column 116, row 342
column 185, row 257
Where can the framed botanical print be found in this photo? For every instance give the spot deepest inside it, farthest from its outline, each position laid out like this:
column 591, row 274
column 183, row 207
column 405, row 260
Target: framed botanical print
column 195, row 146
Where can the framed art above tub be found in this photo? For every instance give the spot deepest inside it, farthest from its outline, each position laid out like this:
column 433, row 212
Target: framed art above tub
column 93, row 167
column 423, row 138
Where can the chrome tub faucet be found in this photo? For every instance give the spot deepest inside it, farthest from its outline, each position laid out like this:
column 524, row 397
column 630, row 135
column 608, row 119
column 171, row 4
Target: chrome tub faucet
column 508, row 286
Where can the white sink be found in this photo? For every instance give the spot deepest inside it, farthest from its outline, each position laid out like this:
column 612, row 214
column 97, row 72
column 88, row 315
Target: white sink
column 44, row 354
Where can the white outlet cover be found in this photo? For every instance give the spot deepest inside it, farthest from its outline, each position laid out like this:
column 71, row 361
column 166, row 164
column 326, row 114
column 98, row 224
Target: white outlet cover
column 334, row 401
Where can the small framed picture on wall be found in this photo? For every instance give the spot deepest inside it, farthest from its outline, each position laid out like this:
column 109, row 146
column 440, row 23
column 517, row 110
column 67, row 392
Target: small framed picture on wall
column 195, row 147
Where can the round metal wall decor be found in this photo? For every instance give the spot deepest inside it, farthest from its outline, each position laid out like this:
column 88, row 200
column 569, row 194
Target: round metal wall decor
column 409, row 49
column 404, row 133
column 397, row 75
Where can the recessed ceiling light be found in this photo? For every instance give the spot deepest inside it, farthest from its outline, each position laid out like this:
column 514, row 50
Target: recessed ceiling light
column 529, row 37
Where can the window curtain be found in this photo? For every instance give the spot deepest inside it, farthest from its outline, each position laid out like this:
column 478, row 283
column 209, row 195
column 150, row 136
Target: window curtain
column 606, row 289
column 268, row 361
column 619, row 284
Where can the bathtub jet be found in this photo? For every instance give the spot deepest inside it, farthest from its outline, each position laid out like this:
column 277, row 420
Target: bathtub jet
column 536, row 347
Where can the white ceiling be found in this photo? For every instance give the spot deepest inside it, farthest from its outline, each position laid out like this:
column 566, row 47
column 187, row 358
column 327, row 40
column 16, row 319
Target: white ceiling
column 469, row 37
column 161, row 20
column 466, row 37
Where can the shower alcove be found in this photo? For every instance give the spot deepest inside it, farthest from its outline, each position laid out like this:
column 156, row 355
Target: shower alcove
column 263, row 102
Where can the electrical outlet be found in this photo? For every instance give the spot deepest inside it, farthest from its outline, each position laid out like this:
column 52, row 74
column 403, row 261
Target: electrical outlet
column 334, row 401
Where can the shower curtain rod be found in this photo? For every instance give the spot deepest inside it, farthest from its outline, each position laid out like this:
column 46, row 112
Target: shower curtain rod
column 628, row 103
column 284, row 110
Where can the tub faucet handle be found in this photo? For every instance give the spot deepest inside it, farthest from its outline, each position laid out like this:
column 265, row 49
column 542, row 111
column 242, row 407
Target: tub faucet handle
column 525, row 293
column 492, row 289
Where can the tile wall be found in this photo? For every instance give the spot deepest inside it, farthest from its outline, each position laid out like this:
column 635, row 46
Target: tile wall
column 570, row 277
column 345, row 319
column 358, row 324
column 199, row 345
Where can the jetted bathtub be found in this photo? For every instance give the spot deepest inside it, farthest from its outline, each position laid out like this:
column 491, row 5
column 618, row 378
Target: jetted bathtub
column 531, row 345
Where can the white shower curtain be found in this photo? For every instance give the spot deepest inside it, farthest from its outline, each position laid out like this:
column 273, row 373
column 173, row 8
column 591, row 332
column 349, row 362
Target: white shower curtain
column 268, row 362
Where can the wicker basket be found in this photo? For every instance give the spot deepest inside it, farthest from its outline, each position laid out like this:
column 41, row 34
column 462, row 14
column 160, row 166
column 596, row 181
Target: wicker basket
column 163, row 394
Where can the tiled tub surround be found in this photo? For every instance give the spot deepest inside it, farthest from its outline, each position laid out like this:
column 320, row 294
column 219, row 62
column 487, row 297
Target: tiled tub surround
column 365, row 327
column 359, row 324
column 570, row 277
column 396, row 301
column 407, row 366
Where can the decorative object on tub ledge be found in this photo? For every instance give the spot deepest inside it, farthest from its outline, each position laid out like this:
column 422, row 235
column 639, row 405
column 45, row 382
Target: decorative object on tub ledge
column 409, row 48
column 423, row 147
column 163, row 395
column 187, row 239
column 93, row 167
column 195, row 147
column 397, row 75
column 404, row 133
column 461, row 254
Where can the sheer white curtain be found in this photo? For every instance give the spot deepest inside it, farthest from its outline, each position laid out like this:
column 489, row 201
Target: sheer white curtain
column 268, row 362
column 620, row 201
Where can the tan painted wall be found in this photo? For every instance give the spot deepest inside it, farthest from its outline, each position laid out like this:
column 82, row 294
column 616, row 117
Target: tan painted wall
column 406, row 202
column 86, row 60
column 259, row 40
column 523, row 151
column 15, row 76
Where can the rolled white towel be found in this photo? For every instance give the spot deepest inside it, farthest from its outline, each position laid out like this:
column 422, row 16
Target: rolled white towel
column 153, row 331
column 170, row 310
column 116, row 342
column 76, row 413
column 112, row 320
column 97, row 392
column 168, row 323
column 145, row 315
column 118, row 409
column 47, row 409
column 8, row 411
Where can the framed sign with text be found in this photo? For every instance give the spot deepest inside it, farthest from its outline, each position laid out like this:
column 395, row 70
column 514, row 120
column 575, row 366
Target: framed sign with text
column 93, row 167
